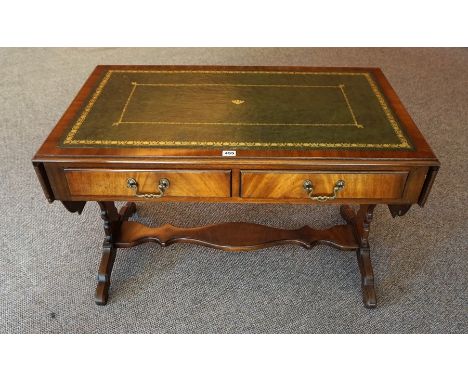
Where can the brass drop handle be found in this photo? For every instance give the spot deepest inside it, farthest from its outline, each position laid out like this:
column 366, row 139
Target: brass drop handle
column 163, row 186
column 309, row 188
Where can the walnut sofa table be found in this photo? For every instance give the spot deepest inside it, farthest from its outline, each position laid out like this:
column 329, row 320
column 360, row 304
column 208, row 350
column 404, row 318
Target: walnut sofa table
column 237, row 134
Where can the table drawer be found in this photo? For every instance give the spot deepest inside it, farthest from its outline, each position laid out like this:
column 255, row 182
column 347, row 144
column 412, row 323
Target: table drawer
column 182, row 183
column 357, row 185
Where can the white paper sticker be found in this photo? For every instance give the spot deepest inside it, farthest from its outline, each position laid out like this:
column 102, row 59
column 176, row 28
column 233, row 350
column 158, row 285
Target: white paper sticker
column 229, row 153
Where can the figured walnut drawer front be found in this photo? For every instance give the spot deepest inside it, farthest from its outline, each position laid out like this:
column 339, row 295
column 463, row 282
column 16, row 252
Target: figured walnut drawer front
column 358, row 185
column 183, row 183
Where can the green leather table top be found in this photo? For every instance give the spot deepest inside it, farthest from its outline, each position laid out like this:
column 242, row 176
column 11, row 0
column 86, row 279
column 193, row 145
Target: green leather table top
column 237, row 109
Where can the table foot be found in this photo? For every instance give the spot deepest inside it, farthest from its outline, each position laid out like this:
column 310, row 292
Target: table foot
column 367, row 278
column 104, row 273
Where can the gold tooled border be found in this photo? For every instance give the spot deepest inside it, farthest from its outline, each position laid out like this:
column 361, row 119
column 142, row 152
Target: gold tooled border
column 135, row 84
column 70, row 141
column 403, row 141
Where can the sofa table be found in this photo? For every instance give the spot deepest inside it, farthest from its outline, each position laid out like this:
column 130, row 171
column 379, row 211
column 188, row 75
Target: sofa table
column 237, row 134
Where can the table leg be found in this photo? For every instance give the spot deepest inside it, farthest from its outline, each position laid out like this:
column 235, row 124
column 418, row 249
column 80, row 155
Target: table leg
column 104, row 272
column 367, row 278
column 236, row 236
column 112, row 224
column 365, row 215
column 360, row 221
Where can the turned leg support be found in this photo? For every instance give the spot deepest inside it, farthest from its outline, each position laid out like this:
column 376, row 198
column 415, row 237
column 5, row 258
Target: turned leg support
column 360, row 221
column 112, row 223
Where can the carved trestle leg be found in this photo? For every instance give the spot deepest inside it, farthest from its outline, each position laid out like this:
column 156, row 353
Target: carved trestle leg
column 104, row 273
column 360, row 221
column 112, row 224
column 237, row 236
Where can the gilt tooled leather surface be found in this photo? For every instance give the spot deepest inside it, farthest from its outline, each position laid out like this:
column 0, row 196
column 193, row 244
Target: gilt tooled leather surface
column 295, row 110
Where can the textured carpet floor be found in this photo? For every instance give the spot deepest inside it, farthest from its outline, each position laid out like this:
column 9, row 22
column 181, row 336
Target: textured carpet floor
column 49, row 257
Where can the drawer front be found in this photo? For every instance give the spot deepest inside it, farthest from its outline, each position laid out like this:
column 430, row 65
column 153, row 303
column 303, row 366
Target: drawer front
column 358, row 185
column 182, row 183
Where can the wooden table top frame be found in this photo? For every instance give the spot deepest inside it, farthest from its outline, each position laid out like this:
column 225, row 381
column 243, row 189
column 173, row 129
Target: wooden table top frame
column 362, row 176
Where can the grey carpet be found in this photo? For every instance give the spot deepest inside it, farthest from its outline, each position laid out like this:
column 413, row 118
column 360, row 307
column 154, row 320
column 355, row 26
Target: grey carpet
column 49, row 257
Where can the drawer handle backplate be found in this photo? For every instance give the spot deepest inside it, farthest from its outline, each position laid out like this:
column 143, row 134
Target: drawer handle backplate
column 163, row 186
column 309, row 188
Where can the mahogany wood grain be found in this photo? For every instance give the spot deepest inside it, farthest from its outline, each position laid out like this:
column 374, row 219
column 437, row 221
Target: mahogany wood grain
column 58, row 174
column 236, row 236
column 113, row 183
column 358, row 185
